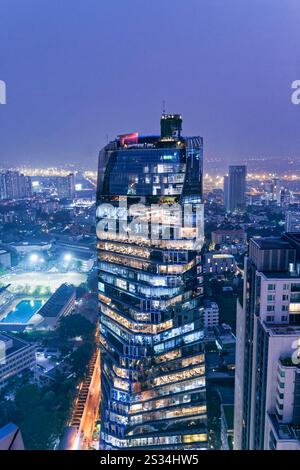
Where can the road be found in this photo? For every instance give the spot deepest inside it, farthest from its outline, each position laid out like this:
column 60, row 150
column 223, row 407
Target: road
column 91, row 411
column 86, row 406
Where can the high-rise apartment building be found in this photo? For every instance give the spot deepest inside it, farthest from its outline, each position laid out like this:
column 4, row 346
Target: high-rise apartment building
column 292, row 221
column 267, row 398
column 25, row 186
column 150, row 234
column 2, row 186
column 66, row 186
column 235, row 188
column 225, row 190
column 14, row 185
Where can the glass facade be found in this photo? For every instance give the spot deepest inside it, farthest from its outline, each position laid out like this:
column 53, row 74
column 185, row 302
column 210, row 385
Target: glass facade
column 150, row 235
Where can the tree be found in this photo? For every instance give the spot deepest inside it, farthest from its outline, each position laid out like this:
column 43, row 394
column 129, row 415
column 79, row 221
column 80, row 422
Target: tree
column 49, row 399
column 81, row 357
column 75, row 325
column 81, row 290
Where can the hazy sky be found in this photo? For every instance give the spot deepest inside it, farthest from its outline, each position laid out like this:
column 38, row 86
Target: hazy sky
column 78, row 71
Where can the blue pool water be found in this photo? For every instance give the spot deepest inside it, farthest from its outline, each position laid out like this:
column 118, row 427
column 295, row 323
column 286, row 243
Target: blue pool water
column 23, row 311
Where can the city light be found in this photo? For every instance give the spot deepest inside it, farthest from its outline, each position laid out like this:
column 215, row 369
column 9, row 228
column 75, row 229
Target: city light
column 67, row 257
column 150, row 281
column 33, row 258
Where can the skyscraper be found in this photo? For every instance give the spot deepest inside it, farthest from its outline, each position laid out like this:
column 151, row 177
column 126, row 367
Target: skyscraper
column 225, row 191
column 267, row 399
column 276, row 190
column 66, row 186
column 25, row 186
column 236, row 188
column 151, row 290
column 14, row 185
column 2, row 186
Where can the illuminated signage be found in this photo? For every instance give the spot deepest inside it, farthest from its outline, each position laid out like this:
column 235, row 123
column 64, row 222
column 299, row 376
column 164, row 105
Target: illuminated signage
column 128, row 139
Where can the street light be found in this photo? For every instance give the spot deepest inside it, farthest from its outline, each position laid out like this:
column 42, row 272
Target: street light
column 67, row 257
column 33, row 258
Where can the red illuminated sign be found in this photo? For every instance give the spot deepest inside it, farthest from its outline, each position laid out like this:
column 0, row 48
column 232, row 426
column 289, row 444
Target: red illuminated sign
column 127, row 139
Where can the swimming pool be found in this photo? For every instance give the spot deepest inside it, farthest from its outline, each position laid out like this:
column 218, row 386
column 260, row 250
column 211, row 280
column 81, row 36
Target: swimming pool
column 23, row 311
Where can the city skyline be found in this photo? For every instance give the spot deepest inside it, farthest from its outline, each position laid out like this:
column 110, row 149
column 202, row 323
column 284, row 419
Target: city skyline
column 149, row 228
column 76, row 79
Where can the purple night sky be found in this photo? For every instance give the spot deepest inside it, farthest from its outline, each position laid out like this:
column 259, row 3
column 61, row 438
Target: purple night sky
column 78, row 71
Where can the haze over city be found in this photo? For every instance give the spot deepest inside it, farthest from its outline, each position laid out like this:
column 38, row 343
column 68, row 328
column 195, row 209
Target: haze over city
column 149, row 229
column 78, row 75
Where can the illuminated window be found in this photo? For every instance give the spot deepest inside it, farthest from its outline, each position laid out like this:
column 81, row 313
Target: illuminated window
column 190, row 438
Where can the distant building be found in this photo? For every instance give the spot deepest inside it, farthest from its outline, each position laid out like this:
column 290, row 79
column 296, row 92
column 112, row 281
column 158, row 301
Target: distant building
column 79, row 259
column 236, row 188
column 2, row 186
column 276, row 190
column 225, row 191
column 228, row 236
column 219, row 263
column 60, row 304
column 66, row 186
column 292, row 222
column 14, row 185
column 211, row 314
column 25, row 186
column 25, row 247
column 11, row 438
column 15, row 356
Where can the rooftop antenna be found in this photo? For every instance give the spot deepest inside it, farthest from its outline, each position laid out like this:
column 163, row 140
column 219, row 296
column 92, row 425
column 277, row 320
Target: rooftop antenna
column 164, row 107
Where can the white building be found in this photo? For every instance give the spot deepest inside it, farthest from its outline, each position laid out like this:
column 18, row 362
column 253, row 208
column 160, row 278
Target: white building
column 267, row 383
column 292, row 222
column 211, row 314
column 219, row 263
column 15, row 356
